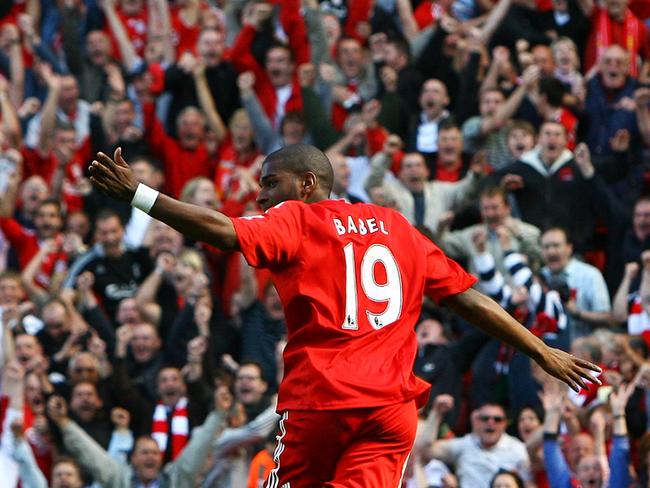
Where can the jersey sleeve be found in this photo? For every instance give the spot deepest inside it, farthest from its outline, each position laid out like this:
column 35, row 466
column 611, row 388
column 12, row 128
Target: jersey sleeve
column 444, row 276
column 272, row 239
column 13, row 231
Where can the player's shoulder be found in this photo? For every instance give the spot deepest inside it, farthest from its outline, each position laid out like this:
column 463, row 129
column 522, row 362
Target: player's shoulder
column 356, row 208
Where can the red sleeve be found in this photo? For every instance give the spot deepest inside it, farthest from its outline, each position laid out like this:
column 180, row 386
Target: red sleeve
column 154, row 133
column 444, row 276
column 294, row 25
column 13, row 231
column 272, row 239
column 423, row 14
column 376, row 138
column 359, row 11
column 243, row 59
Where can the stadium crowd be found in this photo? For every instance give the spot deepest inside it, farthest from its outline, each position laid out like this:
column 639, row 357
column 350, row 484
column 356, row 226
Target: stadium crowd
column 515, row 134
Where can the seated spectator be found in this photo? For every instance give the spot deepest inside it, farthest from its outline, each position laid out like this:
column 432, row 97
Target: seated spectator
column 567, row 70
column 189, row 146
column 581, row 286
column 138, row 353
column 607, row 93
column 442, row 361
column 66, row 473
column 433, row 102
column 291, row 130
column 86, row 409
column 507, row 479
column 219, row 73
column 589, row 469
column 118, row 125
column 550, row 179
column 488, row 131
column 175, row 409
column 423, row 202
column 92, row 66
column 449, row 163
column 251, row 389
column 530, row 430
column 65, row 106
column 543, row 59
column 478, row 456
column 48, row 223
column 146, row 461
column 117, row 270
column 29, row 353
column 520, row 138
column 613, row 24
column 495, row 216
column 275, row 83
column 33, row 191
column 355, row 81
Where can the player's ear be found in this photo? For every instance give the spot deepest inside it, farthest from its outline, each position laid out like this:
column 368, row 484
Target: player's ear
column 309, row 183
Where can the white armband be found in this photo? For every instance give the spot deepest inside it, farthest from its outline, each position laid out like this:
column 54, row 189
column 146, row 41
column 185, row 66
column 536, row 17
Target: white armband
column 144, row 198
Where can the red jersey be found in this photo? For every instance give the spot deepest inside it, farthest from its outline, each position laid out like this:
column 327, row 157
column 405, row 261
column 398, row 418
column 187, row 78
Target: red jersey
column 180, row 165
column 351, row 279
column 136, row 28
column 26, row 244
column 45, row 167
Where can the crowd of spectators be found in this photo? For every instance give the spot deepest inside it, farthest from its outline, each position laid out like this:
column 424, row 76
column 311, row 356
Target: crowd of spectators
column 515, row 134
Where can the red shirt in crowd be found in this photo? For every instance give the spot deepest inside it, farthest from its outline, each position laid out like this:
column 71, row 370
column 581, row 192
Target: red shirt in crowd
column 136, row 28
column 229, row 159
column 185, row 36
column 45, row 166
column 180, row 165
column 352, row 289
column 243, row 60
column 631, row 34
column 26, row 244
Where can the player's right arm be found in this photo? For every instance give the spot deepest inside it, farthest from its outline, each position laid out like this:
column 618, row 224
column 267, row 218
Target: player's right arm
column 115, row 179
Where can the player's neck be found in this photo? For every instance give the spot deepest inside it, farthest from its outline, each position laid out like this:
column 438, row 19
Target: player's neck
column 317, row 197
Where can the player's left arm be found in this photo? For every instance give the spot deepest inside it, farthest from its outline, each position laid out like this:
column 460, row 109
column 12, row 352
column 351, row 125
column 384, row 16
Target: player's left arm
column 114, row 178
column 485, row 314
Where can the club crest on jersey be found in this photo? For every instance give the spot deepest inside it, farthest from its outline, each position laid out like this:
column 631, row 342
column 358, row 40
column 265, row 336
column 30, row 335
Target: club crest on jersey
column 359, row 226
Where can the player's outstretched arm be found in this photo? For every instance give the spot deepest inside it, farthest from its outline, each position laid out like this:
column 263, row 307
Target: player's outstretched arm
column 485, row 314
column 114, row 178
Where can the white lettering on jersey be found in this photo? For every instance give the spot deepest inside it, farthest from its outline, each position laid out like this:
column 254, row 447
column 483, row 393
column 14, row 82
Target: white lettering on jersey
column 359, row 226
column 340, row 229
column 351, row 227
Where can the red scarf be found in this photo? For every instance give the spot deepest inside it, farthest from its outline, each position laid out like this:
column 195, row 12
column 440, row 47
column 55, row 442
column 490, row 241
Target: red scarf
column 180, row 427
column 632, row 29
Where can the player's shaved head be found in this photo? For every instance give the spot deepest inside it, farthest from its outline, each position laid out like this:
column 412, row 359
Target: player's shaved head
column 303, row 158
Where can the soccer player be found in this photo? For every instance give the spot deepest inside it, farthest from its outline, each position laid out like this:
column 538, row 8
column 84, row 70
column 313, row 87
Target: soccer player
column 351, row 279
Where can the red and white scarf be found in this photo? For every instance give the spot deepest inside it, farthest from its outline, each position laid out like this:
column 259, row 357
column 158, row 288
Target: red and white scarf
column 180, row 427
column 632, row 32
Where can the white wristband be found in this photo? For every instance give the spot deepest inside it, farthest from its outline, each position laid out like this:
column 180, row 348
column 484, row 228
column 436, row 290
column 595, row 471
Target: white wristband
column 144, row 198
